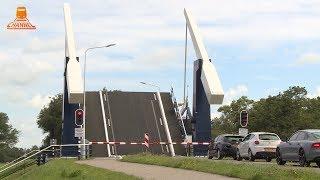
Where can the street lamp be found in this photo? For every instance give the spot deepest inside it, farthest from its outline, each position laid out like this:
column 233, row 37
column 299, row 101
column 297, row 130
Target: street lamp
column 165, row 123
column 84, row 93
column 149, row 84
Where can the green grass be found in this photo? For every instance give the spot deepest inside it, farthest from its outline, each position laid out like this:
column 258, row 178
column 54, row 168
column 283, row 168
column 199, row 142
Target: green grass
column 24, row 165
column 65, row 169
column 239, row 170
column 2, row 164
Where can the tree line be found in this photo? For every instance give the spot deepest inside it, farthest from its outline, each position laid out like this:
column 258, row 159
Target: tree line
column 8, row 139
column 283, row 114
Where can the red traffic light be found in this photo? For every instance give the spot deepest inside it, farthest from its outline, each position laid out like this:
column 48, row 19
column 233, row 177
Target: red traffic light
column 79, row 113
column 78, row 117
column 244, row 118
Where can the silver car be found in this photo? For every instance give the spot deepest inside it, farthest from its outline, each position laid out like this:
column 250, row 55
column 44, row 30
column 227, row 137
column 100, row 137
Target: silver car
column 303, row 147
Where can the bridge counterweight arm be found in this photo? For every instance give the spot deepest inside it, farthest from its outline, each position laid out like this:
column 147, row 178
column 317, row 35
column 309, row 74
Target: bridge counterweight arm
column 73, row 74
column 209, row 76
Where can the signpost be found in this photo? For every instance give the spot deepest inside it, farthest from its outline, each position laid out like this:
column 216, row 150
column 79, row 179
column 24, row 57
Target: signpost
column 243, row 131
column 78, row 132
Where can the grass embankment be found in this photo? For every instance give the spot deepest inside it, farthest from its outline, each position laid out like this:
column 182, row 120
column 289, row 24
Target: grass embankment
column 24, row 165
column 239, row 170
column 66, row 169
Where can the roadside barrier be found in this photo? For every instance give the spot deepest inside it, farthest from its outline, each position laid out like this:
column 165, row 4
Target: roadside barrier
column 150, row 143
column 146, row 140
column 29, row 155
column 19, row 158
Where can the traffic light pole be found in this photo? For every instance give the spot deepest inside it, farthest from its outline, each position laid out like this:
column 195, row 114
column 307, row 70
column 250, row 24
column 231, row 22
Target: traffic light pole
column 83, row 152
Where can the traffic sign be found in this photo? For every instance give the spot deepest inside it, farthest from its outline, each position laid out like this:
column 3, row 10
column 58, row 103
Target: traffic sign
column 243, row 131
column 78, row 132
column 244, row 118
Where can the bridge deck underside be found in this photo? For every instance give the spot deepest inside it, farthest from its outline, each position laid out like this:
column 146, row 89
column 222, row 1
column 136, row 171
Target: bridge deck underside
column 129, row 115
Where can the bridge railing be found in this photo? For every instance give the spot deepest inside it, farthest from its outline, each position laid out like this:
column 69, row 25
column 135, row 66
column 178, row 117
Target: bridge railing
column 31, row 154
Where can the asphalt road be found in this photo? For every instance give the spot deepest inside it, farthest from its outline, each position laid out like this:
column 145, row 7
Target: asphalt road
column 150, row 171
column 128, row 116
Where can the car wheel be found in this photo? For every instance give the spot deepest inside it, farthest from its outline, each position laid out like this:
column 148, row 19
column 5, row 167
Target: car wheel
column 219, row 154
column 302, row 158
column 279, row 158
column 239, row 158
column 318, row 163
column 251, row 156
column 209, row 155
column 234, row 157
column 268, row 159
column 308, row 164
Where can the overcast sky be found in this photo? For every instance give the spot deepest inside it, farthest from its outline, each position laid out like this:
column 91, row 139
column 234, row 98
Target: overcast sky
column 258, row 47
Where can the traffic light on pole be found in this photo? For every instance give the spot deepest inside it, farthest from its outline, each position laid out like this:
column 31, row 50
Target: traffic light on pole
column 79, row 117
column 244, row 118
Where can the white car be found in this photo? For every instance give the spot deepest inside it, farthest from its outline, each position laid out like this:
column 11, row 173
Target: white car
column 258, row 145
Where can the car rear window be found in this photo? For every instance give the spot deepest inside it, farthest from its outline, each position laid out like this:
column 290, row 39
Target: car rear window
column 233, row 138
column 268, row 137
column 316, row 135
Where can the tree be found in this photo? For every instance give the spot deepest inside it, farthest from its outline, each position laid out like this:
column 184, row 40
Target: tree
column 8, row 134
column 283, row 114
column 33, row 148
column 8, row 138
column 229, row 120
column 50, row 119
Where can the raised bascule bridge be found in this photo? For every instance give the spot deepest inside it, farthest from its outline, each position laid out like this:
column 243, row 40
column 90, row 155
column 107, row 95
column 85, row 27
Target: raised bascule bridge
column 119, row 122
column 118, row 116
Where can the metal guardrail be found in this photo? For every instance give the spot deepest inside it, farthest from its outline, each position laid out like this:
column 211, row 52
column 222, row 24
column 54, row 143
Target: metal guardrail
column 25, row 157
column 178, row 114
